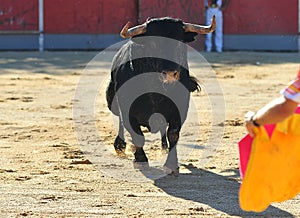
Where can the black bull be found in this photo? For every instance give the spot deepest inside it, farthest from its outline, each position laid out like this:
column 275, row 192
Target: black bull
column 150, row 84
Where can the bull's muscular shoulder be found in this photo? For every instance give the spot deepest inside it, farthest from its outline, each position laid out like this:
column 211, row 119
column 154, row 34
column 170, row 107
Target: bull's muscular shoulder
column 128, row 52
column 122, row 56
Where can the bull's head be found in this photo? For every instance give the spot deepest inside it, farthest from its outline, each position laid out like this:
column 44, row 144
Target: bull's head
column 127, row 32
column 180, row 33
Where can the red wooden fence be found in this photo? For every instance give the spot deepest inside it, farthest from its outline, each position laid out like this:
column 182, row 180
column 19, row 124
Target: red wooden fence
column 102, row 16
column 255, row 17
column 92, row 16
column 18, row 15
column 261, row 17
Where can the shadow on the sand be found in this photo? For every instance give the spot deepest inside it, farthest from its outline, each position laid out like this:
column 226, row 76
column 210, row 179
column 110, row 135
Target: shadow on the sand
column 216, row 191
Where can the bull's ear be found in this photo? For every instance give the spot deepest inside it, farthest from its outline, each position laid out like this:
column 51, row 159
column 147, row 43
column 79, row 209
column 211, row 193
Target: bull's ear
column 189, row 37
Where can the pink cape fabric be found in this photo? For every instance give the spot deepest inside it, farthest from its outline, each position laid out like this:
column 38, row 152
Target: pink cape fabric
column 245, row 149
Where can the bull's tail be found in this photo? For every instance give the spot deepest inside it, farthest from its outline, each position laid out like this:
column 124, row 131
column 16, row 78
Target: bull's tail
column 110, row 94
column 194, row 84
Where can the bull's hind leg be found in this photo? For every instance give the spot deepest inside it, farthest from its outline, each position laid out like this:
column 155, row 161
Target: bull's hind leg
column 172, row 160
column 120, row 144
column 164, row 143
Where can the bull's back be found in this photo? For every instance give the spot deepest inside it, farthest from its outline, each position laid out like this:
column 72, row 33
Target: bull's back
column 119, row 70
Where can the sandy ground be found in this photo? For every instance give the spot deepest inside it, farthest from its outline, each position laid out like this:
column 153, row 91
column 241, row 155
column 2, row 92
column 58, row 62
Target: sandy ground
column 50, row 165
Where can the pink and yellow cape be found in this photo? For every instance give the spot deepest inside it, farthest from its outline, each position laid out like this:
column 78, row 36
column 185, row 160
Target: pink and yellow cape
column 270, row 164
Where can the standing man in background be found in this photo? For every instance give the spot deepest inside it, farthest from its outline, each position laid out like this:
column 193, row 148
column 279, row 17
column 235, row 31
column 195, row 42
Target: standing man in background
column 215, row 7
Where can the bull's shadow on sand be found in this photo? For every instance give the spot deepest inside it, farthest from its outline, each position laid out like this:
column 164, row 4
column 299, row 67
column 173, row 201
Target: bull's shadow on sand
column 217, row 191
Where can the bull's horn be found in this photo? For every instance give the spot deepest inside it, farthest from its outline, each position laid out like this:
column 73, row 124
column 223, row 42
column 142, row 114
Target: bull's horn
column 201, row 29
column 137, row 30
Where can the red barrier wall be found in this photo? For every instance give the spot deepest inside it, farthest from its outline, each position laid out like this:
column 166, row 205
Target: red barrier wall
column 18, row 15
column 92, row 16
column 103, row 16
column 261, row 17
column 187, row 10
column 242, row 17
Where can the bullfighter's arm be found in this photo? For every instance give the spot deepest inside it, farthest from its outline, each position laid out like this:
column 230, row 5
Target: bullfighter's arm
column 274, row 112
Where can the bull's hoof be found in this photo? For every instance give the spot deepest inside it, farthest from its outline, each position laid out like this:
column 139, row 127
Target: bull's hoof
column 164, row 145
column 120, row 146
column 140, row 165
column 139, row 155
column 171, row 172
column 140, row 159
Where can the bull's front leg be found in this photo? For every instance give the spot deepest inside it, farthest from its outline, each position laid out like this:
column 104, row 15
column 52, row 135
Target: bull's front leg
column 119, row 143
column 140, row 159
column 171, row 164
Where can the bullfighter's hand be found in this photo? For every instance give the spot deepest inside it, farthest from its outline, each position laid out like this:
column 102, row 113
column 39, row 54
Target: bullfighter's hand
column 249, row 123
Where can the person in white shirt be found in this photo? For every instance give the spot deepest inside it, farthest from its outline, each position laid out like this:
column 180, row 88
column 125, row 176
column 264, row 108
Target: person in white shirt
column 215, row 7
